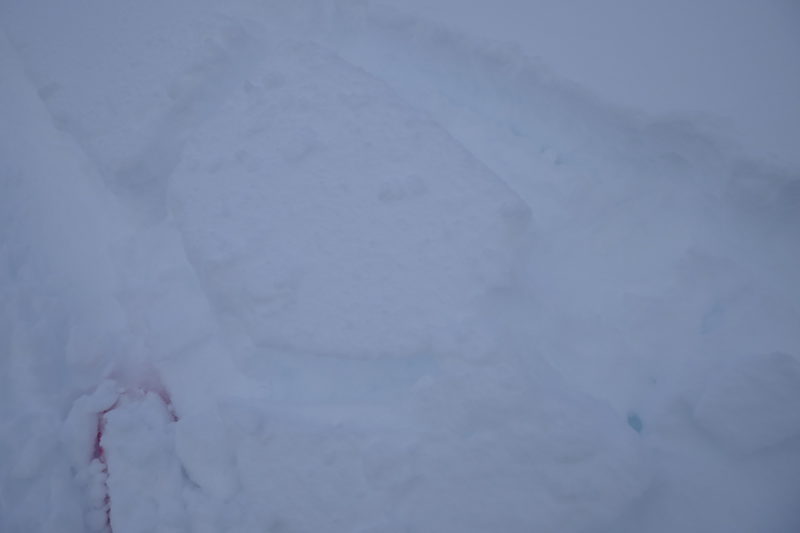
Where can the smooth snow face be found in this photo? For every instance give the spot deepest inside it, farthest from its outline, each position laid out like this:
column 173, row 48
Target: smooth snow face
column 328, row 216
column 304, row 266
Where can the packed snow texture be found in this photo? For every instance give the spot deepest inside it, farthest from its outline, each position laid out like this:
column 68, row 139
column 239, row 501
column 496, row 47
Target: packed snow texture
column 331, row 265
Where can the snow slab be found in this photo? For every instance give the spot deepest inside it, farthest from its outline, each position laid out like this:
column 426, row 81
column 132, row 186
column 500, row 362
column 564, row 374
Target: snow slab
column 328, row 216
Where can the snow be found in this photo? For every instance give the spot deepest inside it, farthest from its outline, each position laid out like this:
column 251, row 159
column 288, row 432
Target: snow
column 350, row 266
column 729, row 67
column 361, row 228
column 743, row 405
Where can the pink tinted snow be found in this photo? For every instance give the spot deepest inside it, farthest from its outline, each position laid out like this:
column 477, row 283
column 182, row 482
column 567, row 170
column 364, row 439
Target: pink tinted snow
column 99, row 453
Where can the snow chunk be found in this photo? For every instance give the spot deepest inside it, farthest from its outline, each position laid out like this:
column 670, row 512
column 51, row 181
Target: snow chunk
column 145, row 479
column 327, row 215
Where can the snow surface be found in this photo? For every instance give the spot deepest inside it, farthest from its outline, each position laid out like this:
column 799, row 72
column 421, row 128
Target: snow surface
column 728, row 66
column 330, row 265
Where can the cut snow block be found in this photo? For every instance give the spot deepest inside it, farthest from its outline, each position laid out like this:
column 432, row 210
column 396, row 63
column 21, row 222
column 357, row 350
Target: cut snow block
column 754, row 403
column 327, row 215
column 144, row 476
column 122, row 446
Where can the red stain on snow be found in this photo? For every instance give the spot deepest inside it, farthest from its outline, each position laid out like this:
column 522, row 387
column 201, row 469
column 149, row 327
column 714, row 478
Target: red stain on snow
column 100, row 452
column 100, row 455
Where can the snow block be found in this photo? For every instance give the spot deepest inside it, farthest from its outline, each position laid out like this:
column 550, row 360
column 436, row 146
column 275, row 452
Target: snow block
column 121, row 442
column 326, row 215
column 145, row 480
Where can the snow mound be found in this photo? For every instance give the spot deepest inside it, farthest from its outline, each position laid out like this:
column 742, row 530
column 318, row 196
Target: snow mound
column 324, row 214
